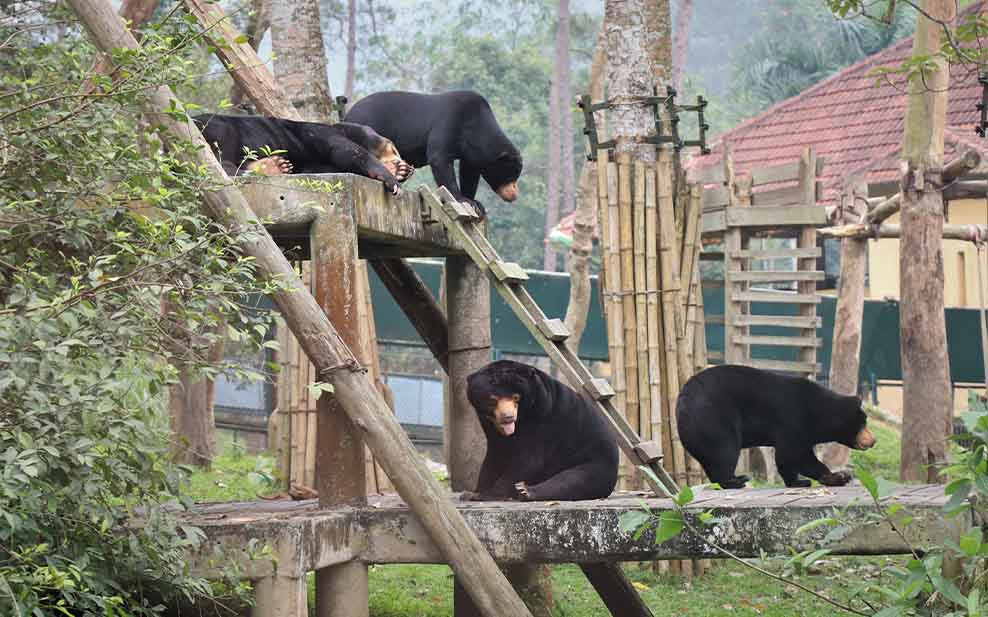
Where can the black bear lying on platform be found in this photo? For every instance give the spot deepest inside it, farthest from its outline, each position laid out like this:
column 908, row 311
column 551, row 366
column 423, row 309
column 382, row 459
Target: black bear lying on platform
column 728, row 407
column 437, row 129
column 544, row 441
column 309, row 148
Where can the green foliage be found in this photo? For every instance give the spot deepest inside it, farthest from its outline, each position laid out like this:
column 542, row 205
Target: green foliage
column 98, row 225
column 801, row 43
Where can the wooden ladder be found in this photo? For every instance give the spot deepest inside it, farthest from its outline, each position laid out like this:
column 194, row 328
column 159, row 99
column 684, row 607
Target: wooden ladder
column 508, row 279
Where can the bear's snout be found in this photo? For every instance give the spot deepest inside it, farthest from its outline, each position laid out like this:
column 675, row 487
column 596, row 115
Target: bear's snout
column 508, row 192
column 864, row 440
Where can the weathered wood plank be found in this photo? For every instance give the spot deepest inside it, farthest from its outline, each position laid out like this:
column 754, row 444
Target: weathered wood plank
column 785, row 321
column 784, row 365
column 712, row 222
column 775, row 276
column 779, row 341
column 715, row 197
column 776, row 216
column 785, row 172
column 775, row 253
column 712, row 174
column 778, row 197
column 779, row 297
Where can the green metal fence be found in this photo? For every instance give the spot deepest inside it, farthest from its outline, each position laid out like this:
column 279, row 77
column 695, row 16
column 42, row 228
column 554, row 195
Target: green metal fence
column 879, row 344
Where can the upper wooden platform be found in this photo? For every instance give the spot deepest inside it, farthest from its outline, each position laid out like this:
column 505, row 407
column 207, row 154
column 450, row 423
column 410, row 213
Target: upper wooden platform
column 304, row 537
column 387, row 226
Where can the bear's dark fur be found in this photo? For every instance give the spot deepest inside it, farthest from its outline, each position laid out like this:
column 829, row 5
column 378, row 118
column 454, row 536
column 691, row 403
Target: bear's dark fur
column 309, row 147
column 437, row 129
column 725, row 408
column 557, row 446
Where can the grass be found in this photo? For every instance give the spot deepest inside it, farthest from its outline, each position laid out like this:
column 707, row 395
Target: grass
column 729, row 589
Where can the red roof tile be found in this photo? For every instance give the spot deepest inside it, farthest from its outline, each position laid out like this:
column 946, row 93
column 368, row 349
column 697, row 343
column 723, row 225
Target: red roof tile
column 853, row 121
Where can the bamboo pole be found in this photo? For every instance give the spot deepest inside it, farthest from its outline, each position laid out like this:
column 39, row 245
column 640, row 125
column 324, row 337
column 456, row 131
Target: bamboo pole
column 626, row 219
column 642, row 291
column 658, row 435
column 614, row 303
column 670, row 303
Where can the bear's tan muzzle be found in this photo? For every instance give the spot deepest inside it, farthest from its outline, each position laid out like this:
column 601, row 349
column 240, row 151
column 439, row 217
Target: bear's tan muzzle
column 864, row 440
column 508, row 192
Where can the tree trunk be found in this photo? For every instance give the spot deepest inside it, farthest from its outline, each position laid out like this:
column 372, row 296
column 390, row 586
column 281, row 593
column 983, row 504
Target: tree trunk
column 628, row 75
column 351, row 50
column 682, row 43
column 568, row 202
column 583, row 224
column 554, row 167
column 926, row 409
column 658, row 32
column 845, row 360
column 300, row 58
column 257, row 25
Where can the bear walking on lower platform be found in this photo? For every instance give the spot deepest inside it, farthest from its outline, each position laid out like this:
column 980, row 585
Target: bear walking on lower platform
column 544, row 440
column 728, row 407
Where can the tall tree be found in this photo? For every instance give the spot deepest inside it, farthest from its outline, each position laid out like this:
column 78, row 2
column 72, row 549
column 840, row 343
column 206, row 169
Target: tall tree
column 658, row 33
column 628, row 75
column 568, row 202
column 926, row 409
column 584, row 221
column 300, row 58
column 682, row 39
column 560, row 172
column 351, row 49
column 553, row 169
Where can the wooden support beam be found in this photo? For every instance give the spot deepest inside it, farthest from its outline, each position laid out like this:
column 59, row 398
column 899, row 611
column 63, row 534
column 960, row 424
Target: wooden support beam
column 417, row 302
column 614, row 588
column 953, row 170
column 360, row 399
column 970, row 233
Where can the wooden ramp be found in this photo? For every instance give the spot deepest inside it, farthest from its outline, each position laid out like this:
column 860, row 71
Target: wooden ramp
column 304, row 537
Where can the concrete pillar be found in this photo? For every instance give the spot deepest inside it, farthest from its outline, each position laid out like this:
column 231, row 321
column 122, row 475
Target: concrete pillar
column 279, row 596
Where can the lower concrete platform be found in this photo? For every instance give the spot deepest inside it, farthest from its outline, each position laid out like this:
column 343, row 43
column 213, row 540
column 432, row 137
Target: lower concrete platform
column 302, row 537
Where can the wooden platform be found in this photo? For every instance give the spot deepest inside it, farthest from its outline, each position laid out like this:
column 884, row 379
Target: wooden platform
column 387, row 226
column 303, row 537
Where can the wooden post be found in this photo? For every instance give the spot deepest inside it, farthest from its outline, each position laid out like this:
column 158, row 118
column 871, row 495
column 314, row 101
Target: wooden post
column 341, row 476
column 845, row 356
column 807, row 240
column 733, row 352
column 358, row 397
column 926, row 388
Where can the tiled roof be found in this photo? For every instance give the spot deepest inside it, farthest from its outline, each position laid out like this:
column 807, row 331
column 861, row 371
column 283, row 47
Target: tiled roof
column 852, row 120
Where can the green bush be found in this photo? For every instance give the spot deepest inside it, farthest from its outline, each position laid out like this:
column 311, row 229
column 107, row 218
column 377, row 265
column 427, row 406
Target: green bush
column 84, row 352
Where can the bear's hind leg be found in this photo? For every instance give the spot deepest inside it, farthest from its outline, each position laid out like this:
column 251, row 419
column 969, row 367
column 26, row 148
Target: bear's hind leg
column 593, row 480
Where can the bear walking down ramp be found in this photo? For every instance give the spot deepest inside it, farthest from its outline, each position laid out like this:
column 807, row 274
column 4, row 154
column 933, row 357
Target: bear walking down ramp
column 728, row 407
column 437, row 129
column 544, row 440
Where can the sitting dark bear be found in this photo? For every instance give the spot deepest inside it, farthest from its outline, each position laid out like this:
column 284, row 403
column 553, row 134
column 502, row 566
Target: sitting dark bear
column 725, row 408
column 309, row 147
column 544, row 441
column 437, row 129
